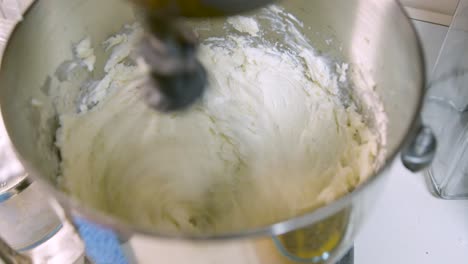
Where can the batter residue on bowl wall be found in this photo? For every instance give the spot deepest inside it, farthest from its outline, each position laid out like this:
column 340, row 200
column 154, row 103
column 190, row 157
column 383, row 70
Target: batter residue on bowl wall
column 271, row 138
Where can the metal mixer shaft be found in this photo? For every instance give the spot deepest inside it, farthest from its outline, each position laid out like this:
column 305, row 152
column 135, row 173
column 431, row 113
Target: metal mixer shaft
column 177, row 79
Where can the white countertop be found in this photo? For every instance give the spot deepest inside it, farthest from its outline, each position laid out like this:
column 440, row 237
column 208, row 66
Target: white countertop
column 409, row 225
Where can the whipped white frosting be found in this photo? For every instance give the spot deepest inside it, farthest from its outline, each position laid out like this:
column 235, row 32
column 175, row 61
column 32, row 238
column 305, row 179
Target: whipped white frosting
column 270, row 139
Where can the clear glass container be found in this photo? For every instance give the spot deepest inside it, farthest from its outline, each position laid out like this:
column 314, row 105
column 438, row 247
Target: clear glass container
column 31, row 229
column 11, row 9
column 446, row 111
column 30, row 225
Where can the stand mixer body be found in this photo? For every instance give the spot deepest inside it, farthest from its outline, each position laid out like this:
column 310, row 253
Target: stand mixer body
column 201, row 8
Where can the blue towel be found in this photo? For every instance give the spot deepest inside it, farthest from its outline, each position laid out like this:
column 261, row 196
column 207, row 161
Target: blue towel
column 102, row 245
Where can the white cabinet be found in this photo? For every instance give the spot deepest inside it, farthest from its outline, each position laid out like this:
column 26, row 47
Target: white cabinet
column 438, row 6
column 435, row 11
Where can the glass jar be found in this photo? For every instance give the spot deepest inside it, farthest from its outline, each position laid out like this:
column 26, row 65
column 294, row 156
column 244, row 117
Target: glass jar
column 446, row 111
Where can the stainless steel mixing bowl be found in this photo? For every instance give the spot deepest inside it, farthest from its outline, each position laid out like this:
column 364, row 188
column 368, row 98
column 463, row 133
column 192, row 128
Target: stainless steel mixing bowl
column 375, row 35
